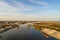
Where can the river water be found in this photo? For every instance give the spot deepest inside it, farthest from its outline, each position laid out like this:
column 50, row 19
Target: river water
column 23, row 32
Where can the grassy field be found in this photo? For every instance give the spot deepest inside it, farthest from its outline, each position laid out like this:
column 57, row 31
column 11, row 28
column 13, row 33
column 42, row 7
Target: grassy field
column 55, row 25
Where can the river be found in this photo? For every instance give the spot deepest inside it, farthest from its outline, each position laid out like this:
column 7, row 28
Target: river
column 23, row 32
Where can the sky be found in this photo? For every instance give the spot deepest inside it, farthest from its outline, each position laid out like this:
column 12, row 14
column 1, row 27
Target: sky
column 30, row 10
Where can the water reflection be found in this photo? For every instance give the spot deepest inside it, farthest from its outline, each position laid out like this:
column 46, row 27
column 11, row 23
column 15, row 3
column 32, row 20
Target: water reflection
column 23, row 32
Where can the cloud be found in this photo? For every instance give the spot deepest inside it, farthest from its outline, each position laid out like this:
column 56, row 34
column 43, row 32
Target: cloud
column 15, row 16
column 8, row 12
column 23, row 6
column 38, row 2
column 20, row 6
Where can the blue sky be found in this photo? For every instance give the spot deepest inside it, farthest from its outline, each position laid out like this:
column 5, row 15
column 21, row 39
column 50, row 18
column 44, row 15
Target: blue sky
column 39, row 10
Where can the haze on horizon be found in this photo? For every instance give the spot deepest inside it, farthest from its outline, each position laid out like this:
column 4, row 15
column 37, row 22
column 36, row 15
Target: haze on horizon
column 40, row 10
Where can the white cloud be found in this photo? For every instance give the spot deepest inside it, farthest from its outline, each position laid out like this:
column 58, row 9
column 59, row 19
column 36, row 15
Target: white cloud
column 8, row 12
column 22, row 6
column 45, row 4
column 38, row 2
